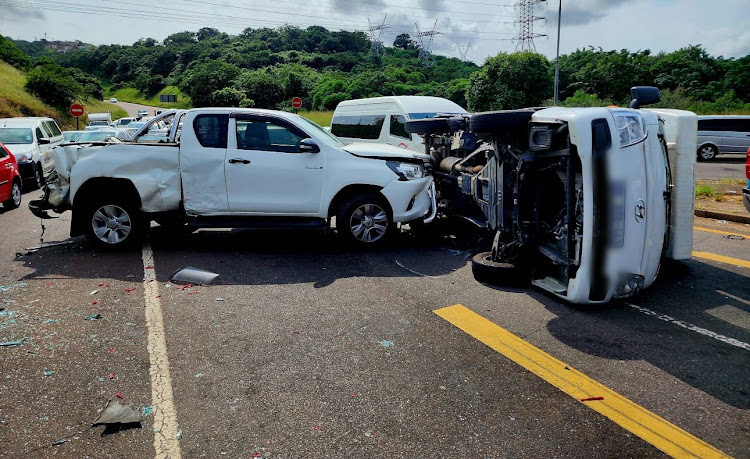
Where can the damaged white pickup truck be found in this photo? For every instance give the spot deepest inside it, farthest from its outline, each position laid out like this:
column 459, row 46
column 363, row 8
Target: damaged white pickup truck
column 584, row 202
column 228, row 168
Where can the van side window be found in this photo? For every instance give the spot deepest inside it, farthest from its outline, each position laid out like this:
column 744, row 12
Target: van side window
column 39, row 134
column 211, row 130
column 358, row 126
column 398, row 123
column 724, row 124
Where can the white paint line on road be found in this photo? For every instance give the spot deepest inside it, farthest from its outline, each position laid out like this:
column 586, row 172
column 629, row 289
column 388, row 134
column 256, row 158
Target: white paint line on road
column 691, row 327
column 414, row 272
column 166, row 443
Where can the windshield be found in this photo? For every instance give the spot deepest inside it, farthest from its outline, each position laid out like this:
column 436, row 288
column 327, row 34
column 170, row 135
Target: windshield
column 96, row 136
column 69, row 136
column 16, row 136
column 324, row 135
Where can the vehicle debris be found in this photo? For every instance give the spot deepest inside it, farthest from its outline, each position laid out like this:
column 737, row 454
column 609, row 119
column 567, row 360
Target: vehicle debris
column 93, row 317
column 194, row 276
column 49, row 373
column 59, row 442
column 114, row 413
column 15, row 343
column 147, row 410
column 7, row 288
column 386, row 343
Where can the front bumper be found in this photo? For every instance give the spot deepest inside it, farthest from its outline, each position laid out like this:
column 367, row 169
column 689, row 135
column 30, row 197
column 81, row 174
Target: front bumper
column 410, row 200
column 746, row 198
column 26, row 170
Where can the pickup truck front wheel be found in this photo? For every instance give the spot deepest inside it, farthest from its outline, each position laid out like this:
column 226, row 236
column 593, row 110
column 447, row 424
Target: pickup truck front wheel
column 114, row 223
column 364, row 220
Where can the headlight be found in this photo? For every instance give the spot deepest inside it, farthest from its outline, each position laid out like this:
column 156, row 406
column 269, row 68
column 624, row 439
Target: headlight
column 406, row 171
column 632, row 285
column 23, row 157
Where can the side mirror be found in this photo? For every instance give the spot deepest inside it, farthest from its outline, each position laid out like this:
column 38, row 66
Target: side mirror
column 42, row 141
column 644, row 95
column 309, row 146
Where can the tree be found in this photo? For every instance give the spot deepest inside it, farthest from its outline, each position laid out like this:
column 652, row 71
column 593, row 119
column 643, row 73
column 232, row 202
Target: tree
column 262, row 87
column 230, row 97
column 11, row 54
column 510, row 81
column 404, row 41
column 53, row 85
column 203, row 80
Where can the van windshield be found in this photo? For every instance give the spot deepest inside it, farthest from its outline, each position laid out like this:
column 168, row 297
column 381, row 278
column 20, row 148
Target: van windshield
column 16, row 136
column 326, row 136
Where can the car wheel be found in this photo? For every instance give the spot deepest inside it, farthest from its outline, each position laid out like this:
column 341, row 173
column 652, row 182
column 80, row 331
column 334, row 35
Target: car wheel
column 15, row 196
column 364, row 220
column 114, row 223
column 707, row 152
column 38, row 176
column 493, row 122
column 494, row 272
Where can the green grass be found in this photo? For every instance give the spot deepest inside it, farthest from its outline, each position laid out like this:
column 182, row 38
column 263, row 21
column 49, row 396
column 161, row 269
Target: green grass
column 15, row 101
column 135, row 96
column 320, row 118
column 705, row 191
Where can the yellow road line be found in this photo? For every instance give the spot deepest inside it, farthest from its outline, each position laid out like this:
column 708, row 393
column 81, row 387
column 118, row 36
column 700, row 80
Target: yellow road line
column 722, row 259
column 726, row 233
column 641, row 422
column 166, row 443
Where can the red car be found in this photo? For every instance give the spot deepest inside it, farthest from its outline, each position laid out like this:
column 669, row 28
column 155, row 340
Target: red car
column 10, row 179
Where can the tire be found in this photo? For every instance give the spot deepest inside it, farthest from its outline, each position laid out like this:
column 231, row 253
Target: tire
column 493, row 122
column 364, row 221
column 707, row 153
column 114, row 223
column 38, row 181
column 428, row 126
column 496, row 273
column 15, row 196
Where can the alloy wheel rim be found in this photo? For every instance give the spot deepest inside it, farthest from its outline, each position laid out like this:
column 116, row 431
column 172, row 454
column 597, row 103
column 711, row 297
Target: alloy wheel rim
column 707, row 152
column 15, row 193
column 111, row 224
column 369, row 223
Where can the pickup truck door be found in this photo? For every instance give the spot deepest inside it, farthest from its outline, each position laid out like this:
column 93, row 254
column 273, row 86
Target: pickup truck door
column 203, row 147
column 266, row 173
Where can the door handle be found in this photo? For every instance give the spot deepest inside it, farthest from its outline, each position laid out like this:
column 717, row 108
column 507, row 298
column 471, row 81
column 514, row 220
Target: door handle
column 237, row 160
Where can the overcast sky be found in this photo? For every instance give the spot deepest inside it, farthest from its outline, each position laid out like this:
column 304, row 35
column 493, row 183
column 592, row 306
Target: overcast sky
column 486, row 26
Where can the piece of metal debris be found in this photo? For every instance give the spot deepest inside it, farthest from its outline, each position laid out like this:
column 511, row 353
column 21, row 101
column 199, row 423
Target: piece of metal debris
column 60, row 442
column 49, row 373
column 194, row 276
column 93, row 317
column 15, row 343
column 114, row 413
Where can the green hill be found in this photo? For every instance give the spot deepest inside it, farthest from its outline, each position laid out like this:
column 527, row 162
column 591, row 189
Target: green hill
column 15, row 101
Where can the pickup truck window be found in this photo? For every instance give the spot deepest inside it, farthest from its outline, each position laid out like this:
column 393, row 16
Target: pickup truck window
column 266, row 136
column 211, row 130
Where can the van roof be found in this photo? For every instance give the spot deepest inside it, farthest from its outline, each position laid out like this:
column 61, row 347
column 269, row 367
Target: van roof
column 27, row 121
column 410, row 104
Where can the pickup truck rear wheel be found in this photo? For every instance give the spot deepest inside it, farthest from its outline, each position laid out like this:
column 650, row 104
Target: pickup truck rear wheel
column 364, row 220
column 114, row 223
column 494, row 272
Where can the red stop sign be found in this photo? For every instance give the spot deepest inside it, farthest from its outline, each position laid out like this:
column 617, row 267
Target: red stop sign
column 297, row 102
column 76, row 110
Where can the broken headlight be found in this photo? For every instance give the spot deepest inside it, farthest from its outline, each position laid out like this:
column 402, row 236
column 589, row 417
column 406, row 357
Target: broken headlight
column 406, row 171
column 631, row 285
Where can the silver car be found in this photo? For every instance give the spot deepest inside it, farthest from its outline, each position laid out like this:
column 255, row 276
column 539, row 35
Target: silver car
column 721, row 134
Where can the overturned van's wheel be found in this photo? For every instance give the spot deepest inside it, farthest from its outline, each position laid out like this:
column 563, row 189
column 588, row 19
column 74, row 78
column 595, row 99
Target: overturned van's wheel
column 496, row 273
column 428, row 126
column 114, row 223
column 492, row 122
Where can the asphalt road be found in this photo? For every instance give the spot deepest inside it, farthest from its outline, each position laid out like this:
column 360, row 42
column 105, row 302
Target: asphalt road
column 132, row 109
column 302, row 348
column 723, row 166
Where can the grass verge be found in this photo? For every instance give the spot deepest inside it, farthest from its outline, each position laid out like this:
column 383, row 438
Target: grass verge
column 135, row 96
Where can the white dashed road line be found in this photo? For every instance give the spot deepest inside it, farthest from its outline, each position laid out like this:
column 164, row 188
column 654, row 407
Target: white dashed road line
column 166, row 443
column 691, row 327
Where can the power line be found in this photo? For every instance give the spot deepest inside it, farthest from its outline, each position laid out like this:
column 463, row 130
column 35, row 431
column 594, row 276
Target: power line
column 426, row 40
column 376, row 35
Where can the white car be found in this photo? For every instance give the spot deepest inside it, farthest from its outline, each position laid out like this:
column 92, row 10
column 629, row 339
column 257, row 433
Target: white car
column 30, row 140
column 233, row 167
column 113, row 101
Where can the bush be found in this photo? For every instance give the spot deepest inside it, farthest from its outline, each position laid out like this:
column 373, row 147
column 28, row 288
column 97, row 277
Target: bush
column 54, row 86
column 230, row 97
column 11, row 54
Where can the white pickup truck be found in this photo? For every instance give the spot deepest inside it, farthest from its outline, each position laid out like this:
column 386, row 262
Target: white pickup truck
column 227, row 167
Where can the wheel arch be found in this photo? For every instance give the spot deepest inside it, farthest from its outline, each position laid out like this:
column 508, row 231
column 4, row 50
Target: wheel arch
column 707, row 143
column 350, row 191
column 94, row 188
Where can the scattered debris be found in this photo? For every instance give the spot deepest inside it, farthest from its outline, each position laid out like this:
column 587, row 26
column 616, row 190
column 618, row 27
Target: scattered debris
column 186, row 286
column 591, row 399
column 49, row 321
column 147, row 411
column 129, row 290
column 49, row 373
column 194, row 276
column 59, row 442
column 386, row 343
column 199, row 375
column 94, row 292
column 317, row 429
column 15, row 343
column 111, row 376
column 114, row 413
column 179, row 434
column 94, row 303
column 734, row 237
column 112, row 351
column 100, row 284
column 219, row 299
column 7, row 288
column 119, row 395
column 93, row 317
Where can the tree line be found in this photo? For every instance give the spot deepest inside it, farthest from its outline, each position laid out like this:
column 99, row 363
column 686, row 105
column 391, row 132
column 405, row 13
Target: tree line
column 267, row 67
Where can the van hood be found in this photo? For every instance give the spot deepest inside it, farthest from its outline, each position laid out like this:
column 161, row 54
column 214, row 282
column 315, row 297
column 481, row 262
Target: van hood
column 384, row 151
column 21, row 149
